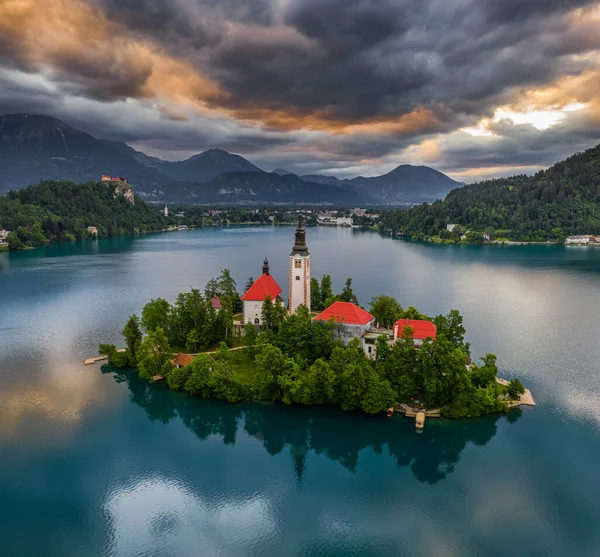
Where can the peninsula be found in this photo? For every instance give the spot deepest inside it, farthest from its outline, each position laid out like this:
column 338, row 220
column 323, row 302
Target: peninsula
column 320, row 348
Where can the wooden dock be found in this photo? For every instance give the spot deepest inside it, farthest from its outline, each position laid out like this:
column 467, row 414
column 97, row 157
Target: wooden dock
column 97, row 359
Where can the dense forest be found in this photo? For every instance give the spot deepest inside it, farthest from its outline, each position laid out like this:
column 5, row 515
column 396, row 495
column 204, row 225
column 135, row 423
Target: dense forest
column 296, row 360
column 554, row 203
column 63, row 210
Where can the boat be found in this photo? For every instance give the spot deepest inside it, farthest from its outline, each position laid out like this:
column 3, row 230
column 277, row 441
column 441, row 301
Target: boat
column 420, row 421
column 390, row 412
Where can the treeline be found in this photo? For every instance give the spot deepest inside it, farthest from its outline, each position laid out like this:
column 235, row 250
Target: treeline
column 200, row 216
column 296, row 360
column 550, row 205
column 61, row 210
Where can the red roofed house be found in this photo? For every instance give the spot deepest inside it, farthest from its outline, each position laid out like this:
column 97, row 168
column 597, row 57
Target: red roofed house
column 182, row 360
column 353, row 321
column 263, row 287
column 421, row 329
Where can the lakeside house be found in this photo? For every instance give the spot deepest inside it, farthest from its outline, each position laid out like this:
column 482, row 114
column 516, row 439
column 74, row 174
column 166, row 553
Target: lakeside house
column 582, row 240
column 4, row 237
column 351, row 321
column 182, row 360
column 92, row 230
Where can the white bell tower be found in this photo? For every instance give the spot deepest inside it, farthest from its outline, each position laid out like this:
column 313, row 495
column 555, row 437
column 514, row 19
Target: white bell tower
column 299, row 271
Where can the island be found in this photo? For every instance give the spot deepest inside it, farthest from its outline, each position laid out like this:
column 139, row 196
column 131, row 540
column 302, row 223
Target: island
column 320, row 348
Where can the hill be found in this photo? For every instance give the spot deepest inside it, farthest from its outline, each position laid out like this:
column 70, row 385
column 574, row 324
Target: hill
column 34, row 148
column 63, row 211
column 254, row 187
column 552, row 204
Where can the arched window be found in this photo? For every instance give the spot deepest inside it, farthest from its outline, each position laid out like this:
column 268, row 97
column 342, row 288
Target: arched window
column 257, row 321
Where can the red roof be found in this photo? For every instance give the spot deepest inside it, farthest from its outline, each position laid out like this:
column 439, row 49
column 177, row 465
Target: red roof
column 345, row 312
column 182, row 359
column 422, row 329
column 263, row 286
column 216, row 303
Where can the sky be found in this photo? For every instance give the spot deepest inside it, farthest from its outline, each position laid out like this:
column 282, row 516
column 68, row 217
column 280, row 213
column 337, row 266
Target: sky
column 473, row 88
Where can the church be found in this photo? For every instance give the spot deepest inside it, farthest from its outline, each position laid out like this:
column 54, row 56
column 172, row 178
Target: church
column 266, row 286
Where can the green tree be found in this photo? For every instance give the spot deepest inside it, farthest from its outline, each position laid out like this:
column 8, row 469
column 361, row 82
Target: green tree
column 153, row 355
column 451, row 326
column 386, row 310
column 270, row 363
column 315, row 295
column 322, row 381
column 133, row 338
column 197, row 383
column 379, row 395
column 326, row 290
column 515, row 388
column 347, row 294
column 178, row 377
column 156, row 314
column 250, row 336
column 482, row 376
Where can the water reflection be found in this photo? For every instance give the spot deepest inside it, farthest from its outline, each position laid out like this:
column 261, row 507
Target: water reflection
column 340, row 436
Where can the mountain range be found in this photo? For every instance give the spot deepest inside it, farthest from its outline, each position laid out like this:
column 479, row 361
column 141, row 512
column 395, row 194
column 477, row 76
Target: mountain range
column 34, row 148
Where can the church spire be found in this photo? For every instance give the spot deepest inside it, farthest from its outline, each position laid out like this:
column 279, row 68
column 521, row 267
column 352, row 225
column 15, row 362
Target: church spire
column 300, row 247
column 266, row 266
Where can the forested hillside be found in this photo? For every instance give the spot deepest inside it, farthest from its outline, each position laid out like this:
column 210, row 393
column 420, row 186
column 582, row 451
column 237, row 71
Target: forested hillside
column 63, row 211
column 554, row 203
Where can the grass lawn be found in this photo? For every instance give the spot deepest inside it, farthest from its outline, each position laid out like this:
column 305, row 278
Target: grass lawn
column 245, row 367
column 238, row 318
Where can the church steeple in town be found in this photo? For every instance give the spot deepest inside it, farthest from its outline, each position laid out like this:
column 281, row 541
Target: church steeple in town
column 300, row 247
column 266, row 266
column 299, row 271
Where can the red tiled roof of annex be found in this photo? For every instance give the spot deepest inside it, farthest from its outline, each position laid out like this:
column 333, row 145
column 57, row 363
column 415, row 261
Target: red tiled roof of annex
column 263, row 286
column 422, row 329
column 182, row 359
column 345, row 312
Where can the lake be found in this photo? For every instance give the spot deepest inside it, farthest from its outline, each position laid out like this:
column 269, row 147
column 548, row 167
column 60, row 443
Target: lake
column 99, row 463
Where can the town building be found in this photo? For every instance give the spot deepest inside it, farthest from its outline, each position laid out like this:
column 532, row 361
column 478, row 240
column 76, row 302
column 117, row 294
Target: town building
column 4, row 235
column 216, row 303
column 351, row 321
column 299, row 271
column 450, row 227
column 581, row 240
column 92, row 230
column 253, row 300
column 166, row 211
column 107, row 178
column 421, row 329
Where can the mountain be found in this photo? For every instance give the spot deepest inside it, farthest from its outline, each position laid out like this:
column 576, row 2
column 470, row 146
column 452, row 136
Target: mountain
column 207, row 165
column 406, row 184
column 34, row 148
column 550, row 205
column 254, row 187
column 282, row 172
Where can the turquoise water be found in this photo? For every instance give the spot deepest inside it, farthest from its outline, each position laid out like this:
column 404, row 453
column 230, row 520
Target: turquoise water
column 100, row 463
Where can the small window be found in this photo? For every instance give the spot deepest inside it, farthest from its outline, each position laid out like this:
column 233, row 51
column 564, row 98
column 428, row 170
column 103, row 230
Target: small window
column 257, row 321
column 297, row 278
column 298, row 264
column 370, row 349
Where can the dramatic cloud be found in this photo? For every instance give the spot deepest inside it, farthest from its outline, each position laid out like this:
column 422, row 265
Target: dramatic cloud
column 474, row 87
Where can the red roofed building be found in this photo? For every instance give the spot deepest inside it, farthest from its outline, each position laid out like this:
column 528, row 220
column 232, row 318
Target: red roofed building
column 421, row 329
column 263, row 287
column 215, row 303
column 353, row 321
column 182, row 360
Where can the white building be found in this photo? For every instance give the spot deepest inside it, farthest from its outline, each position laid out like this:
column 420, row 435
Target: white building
column 581, row 240
column 263, row 287
column 166, row 210
column 350, row 320
column 450, row 227
column 299, row 271
column 4, row 235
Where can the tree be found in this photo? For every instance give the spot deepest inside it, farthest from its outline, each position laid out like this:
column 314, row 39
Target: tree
column 248, row 284
column 347, row 294
column 271, row 363
column 115, row 358
column 386, row 310
column 156, row 314
column 178, row 377
column 485, row 375
column 250, row 336
column 322, row 383
column 133, row 338
column 153, row 355
column 14, row 242
column 197, row 383
column 315, row 295
column 451, row 326
column 326, row 290
column 379, row 395
column 515, row 388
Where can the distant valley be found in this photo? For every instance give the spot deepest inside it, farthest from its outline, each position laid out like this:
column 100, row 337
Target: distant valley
column 34, row 148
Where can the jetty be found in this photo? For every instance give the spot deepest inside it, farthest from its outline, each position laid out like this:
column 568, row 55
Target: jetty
column 526, row 399
column 97, row 359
